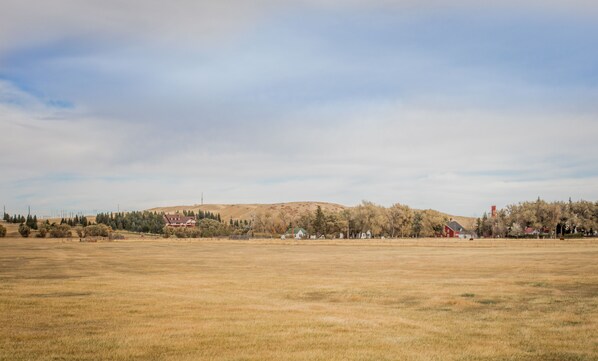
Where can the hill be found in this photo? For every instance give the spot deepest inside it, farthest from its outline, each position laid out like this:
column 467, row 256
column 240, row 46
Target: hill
column 247, row 211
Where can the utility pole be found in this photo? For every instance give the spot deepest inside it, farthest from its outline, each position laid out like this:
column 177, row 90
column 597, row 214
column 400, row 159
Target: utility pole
column 202, row 198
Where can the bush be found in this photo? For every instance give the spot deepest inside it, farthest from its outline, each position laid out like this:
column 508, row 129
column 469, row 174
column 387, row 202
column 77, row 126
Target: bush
column 79, row 231
column 97, row 230
column 115, row 235
column 2, row 231
column 24, row 230
column 60, row 231
column 43, row 231
column 184, row 232
column 212, row 228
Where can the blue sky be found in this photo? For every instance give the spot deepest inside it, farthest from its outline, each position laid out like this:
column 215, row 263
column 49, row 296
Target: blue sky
column 447, row 107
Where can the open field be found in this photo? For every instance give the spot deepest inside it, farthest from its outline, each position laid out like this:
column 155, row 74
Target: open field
column 311, row 300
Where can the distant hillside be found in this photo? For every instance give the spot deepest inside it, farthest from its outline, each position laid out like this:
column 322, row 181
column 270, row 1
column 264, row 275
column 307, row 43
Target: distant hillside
column 246, row 211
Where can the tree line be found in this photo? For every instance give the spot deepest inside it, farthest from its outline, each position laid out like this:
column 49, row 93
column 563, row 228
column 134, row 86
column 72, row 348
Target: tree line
column 397, row 220
column 30, row 221
column 137, row 221
column 534, row 218
column 541, row 219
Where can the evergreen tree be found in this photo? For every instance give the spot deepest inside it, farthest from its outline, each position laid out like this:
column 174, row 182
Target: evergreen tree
column 319, row 222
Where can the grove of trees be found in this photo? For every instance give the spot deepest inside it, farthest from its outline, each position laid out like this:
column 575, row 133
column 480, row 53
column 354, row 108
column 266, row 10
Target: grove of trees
column 548, row 219
column 30, row 221
column 396, row 221
column 145, row 222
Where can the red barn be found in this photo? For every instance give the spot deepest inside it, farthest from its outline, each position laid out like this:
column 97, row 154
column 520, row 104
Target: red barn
column 454, row 230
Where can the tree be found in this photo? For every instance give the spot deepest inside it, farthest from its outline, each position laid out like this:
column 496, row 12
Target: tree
column 417, row 223
column 97, row 230
column 516, row 230
column 43, row 230
column 319, row 222
column 369, row 217
column 432, row 223
column 31, row 222
column 60, row 231
column 24, row 230
column 399, row 220
column 211, row 228
column 478, row 227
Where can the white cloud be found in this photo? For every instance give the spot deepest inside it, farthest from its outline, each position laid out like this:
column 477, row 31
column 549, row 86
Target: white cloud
column 458, row 161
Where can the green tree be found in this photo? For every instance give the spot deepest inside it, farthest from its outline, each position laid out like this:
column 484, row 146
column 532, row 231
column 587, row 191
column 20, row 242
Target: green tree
column 319, row 222
column 417, row 223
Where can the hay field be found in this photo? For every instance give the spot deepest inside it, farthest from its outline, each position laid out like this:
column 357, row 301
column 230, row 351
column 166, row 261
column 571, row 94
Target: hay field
column 272, row 300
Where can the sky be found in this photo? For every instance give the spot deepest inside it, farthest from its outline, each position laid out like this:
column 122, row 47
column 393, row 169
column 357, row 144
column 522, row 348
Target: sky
column 450, row 105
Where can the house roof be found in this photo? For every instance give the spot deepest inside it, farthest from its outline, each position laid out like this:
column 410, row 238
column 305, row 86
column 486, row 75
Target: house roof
column 176, row 218
column 455, row 226
column 530, row 230
column 297, row 230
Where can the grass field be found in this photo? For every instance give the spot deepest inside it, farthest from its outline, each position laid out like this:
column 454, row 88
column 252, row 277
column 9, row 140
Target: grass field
column 318, row 300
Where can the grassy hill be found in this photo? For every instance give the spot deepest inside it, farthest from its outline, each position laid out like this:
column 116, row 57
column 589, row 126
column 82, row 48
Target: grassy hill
column 247, row 211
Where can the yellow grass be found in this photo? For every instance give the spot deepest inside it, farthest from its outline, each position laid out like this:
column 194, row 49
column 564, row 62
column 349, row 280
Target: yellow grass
column 312, row 300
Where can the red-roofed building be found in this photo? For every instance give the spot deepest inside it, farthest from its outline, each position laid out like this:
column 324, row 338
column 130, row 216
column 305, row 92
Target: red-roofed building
column 176, row 220
column 529, row 231
column 454, row 230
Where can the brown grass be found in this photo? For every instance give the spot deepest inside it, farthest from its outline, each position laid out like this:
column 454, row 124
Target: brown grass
column 272, row 300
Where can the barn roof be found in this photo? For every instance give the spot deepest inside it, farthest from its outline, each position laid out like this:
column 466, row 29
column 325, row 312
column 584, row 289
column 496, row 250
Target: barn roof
column 455, row 226
column 176, row 218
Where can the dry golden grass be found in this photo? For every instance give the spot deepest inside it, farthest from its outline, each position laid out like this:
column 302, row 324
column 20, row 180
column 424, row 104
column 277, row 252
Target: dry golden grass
column 310, row 300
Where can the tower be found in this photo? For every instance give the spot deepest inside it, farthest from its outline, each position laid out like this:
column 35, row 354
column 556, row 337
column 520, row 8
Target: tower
column 493, row 211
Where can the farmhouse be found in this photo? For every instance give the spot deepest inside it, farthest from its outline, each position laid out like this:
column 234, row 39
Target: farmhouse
column 454, row 230
column 298, row 233
column 176, row 220
column 529, row 231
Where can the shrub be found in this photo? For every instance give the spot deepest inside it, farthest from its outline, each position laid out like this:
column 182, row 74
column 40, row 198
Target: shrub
column 79, row 231
column 167, row 232
column 97, row 230
column 24, row 230
column 60, row 231
column 212, row 228
column 115, row 235
column 2, row 231
column 43, row 230
column 187, row 232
